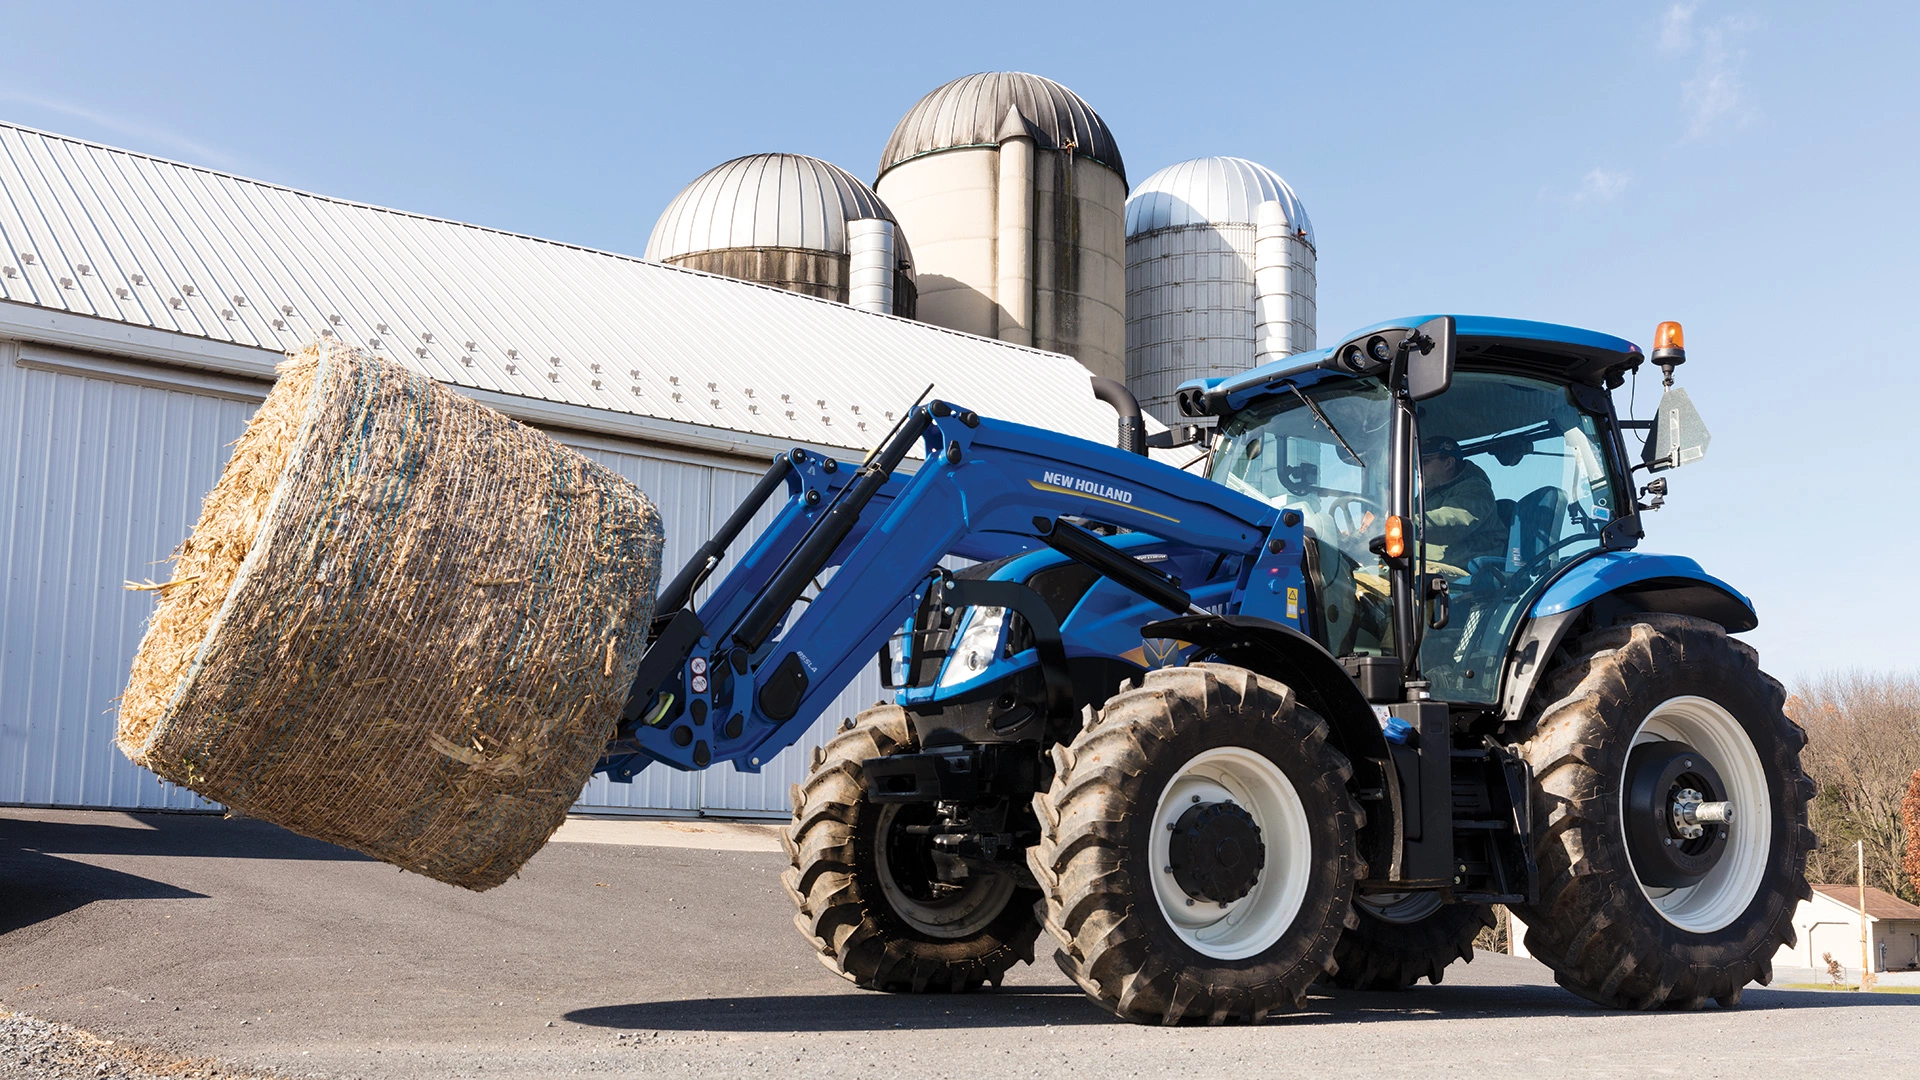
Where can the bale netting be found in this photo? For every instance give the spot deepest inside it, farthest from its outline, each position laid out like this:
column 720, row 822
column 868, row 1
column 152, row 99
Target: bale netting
column 404, row 623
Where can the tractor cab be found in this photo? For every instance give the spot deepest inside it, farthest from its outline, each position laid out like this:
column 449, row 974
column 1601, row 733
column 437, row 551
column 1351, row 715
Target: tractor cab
column 1496, row 464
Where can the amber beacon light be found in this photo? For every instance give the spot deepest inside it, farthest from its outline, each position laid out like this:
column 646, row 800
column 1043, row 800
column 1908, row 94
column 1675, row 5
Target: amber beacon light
column 1669, row 343
column 1669, row 348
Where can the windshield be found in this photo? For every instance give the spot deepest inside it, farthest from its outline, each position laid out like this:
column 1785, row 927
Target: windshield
column 1279, row 451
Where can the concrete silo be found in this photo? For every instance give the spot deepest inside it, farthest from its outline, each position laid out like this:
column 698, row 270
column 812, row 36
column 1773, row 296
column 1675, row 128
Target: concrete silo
column 791, row 221
column 1014, row 193
column 1220, row 275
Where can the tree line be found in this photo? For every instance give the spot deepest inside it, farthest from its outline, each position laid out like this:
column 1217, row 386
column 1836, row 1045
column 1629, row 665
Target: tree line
column 1863, row 753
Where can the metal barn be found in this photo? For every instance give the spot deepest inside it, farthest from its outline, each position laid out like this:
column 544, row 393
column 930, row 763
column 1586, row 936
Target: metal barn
column 144, row 304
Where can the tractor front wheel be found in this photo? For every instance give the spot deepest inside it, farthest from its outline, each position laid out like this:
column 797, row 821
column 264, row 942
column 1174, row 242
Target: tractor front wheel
column 1670, row 816
column 1197, row 849
column 863, row 879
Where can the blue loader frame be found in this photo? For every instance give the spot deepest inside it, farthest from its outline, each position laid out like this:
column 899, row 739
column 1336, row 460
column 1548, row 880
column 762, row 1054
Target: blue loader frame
column 739, row 678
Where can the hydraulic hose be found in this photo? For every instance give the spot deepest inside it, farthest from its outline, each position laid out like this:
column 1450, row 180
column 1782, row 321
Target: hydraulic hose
column 821, row 541
column 681, row 588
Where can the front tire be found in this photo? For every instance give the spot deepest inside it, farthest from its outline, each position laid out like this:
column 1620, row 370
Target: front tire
column 868, row 903
column 1197, row 849
column 1622, row 919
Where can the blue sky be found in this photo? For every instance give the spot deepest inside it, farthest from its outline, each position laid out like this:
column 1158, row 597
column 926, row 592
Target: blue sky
column 1749, row 169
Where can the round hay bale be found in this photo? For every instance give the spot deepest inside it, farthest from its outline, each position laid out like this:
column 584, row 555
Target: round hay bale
column 404, row 623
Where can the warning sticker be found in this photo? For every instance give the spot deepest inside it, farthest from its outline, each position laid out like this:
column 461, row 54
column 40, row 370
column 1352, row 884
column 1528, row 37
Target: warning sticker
column 1293, row 603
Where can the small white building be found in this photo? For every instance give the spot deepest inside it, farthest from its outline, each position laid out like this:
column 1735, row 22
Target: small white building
column 1830, row 923
column 144, row 304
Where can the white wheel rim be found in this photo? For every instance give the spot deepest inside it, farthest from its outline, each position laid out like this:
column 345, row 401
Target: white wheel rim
column 979, row 902
column 1250, row 925
column 1734, row 881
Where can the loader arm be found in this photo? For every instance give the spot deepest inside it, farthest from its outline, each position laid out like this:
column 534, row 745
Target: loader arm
column 852, row 551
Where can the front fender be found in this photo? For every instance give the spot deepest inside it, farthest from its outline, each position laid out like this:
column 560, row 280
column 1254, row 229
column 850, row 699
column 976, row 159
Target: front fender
column 1649, row 582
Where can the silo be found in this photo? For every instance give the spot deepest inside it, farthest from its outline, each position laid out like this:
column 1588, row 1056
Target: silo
column 1220, row 275
column 791, row 221
column 1014, row 193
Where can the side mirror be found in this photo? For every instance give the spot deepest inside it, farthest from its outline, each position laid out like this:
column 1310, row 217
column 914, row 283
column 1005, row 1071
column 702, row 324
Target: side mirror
column 1679, row 438
column 1430, row 350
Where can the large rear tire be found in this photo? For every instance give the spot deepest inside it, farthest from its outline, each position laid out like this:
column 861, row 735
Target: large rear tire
column 1622, row 919
column 1401, row 939
column 867, row 899
column 1197, row 849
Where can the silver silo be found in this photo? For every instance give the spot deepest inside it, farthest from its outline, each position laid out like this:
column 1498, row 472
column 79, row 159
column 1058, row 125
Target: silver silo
column 1220, row 275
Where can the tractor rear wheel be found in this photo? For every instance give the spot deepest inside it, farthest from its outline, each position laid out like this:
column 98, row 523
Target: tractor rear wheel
column 1405, row 937
column 1670, row 816
column 869, row 901
column 1197, row 849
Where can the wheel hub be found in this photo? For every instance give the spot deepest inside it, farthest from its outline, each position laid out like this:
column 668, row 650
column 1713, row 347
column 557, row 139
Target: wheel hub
column 1215, row 852
column 1677, row 814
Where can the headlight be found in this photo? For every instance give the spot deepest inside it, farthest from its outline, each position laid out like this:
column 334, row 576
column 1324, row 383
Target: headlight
column 897, row 651
column 978, row 645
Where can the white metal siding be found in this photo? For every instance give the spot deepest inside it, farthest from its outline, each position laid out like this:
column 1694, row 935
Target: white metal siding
column 102, row 480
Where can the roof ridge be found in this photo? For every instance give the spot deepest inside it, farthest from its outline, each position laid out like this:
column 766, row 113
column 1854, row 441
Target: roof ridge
column 304, row 193
column 1848, row 895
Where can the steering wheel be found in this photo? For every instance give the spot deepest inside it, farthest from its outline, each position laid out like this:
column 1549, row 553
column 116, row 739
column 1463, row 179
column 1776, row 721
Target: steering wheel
column 1349, row 513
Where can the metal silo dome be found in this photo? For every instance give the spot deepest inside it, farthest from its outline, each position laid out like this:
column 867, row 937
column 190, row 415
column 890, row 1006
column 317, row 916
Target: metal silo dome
column 1212, row 190
column 765, row 200
column 1013, row 188
column 1221, row 276
column 970, row 112
column 782, row 220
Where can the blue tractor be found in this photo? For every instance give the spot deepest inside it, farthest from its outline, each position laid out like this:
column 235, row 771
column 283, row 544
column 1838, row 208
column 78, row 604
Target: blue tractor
column 1381, row 655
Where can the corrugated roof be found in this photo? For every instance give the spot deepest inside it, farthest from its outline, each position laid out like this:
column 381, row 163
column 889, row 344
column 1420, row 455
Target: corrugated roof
column 1881, row 904
column 1211, row 191
column 971, row 110
column 767, row 200
column 96, row 231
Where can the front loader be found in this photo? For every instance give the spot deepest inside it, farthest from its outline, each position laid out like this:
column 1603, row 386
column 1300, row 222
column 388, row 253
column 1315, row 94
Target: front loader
column 1387, row 658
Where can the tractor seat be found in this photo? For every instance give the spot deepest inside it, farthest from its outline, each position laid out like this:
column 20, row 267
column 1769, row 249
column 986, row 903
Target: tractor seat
column 1535, row 526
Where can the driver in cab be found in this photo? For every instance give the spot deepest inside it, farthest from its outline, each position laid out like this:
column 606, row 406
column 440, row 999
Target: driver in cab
column 1462, row 523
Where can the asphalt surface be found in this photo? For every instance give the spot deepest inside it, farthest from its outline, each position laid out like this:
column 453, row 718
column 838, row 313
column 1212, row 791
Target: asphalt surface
column 197, row 938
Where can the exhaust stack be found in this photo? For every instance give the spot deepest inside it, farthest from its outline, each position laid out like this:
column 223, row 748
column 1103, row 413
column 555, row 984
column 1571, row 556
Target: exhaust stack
column 1133, row 430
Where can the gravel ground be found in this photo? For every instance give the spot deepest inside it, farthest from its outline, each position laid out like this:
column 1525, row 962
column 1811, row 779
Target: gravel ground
column 202, row 940
column 35, row 1048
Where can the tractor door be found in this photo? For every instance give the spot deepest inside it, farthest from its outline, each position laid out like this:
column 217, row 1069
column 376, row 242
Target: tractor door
column 1516, row 482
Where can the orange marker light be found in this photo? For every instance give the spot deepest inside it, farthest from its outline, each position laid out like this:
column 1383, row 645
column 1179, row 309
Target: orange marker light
column 1396, row 537
column 1669, row 336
